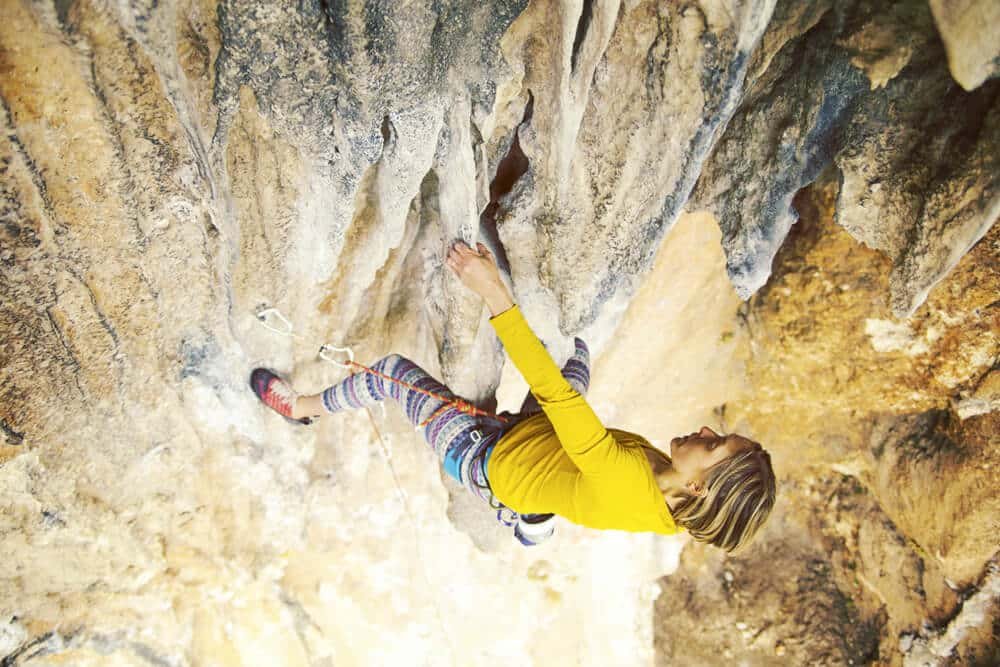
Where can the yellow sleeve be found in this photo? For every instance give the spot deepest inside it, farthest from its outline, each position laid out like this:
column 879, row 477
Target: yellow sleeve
column 582, row 435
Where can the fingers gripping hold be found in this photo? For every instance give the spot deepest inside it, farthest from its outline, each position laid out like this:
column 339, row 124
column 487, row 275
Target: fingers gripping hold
column 475, row 267
column 459, row 253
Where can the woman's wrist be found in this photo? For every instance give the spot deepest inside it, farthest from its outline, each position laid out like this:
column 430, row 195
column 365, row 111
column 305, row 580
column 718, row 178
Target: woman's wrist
column 498, row 299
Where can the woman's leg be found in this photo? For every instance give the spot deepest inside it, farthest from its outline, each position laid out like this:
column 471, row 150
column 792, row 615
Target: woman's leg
column 456, row 437
column 308, row 406
column 365, row 389
column 576, row 371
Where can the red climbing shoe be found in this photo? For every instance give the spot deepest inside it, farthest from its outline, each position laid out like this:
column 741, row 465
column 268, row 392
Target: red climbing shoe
column 275, row 393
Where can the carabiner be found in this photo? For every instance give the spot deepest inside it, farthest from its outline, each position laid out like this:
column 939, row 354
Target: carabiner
column 513, row 516
column 325, row 349
column 262, row 314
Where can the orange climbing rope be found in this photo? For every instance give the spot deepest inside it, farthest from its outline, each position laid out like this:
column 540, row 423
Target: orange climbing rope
column 325, row 349
column 458, row 403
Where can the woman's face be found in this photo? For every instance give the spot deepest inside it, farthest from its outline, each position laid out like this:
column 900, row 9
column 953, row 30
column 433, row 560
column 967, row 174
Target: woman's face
column 692, row 455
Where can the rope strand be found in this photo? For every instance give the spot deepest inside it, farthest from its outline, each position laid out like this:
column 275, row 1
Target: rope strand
column 450, row 402
column 458, row 403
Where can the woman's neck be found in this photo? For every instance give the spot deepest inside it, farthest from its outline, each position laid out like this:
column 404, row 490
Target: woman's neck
column 667, row 479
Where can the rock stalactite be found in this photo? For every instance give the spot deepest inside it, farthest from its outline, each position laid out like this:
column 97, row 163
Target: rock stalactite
column 798, row 198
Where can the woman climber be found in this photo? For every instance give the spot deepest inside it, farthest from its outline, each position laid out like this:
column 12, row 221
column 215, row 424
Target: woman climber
column 554, row 457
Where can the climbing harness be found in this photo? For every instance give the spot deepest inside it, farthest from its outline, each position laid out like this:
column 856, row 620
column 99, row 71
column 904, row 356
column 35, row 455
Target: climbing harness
column 324, row 352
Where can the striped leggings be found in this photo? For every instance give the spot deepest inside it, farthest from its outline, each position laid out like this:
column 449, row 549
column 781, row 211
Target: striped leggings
column 462, row 442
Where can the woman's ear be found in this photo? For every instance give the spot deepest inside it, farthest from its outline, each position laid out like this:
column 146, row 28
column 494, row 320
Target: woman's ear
column 696, row 488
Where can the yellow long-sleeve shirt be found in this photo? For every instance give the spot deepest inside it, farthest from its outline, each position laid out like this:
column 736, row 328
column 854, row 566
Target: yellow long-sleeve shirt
column 563, row 460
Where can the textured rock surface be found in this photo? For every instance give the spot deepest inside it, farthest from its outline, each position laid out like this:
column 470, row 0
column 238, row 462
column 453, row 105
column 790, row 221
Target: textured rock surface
column 167, row 167
column 867, row 85
column 888, row 514
column 971, row 33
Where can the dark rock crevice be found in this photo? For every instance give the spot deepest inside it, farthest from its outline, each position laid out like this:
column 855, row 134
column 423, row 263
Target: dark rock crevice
column 582, row 26
column 510, row 169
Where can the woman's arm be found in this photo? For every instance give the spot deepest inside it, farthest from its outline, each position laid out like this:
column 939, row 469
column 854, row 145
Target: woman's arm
column 582, row 435
column 584, row 438
column 498, row 299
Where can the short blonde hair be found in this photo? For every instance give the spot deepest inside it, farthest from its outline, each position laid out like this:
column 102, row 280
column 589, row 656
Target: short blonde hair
column 738, row 499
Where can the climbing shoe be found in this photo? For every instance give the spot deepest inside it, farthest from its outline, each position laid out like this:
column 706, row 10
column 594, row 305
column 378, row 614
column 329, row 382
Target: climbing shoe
column 275, row 393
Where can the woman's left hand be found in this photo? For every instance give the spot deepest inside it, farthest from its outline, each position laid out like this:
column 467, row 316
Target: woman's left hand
column 475, row 268
column 478, row 271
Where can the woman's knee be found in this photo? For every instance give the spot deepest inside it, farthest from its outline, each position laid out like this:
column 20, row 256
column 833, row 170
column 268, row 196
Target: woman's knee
column 390, row 361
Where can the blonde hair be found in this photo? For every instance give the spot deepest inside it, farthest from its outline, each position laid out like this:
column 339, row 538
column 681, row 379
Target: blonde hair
column 738, row 499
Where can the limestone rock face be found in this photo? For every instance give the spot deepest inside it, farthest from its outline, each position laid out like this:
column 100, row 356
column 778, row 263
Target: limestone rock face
column 971, row 34
column 867, row 86
column 168, row 168
column 887, row 518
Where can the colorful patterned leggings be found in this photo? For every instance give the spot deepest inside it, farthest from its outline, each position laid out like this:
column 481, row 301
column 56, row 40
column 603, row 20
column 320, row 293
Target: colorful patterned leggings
column 462, row 442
